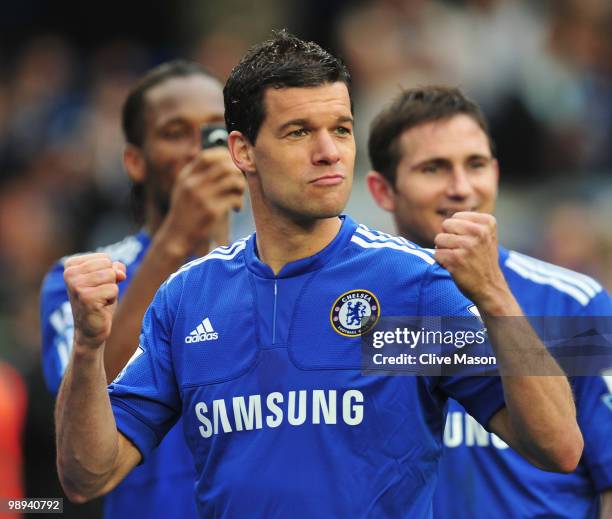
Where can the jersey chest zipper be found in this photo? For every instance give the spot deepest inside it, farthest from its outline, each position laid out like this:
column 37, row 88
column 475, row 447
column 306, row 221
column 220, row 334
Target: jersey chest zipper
column 274, row 312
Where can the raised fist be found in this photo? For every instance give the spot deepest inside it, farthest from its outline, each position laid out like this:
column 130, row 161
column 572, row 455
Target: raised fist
column 92, row 283
column 467, row 248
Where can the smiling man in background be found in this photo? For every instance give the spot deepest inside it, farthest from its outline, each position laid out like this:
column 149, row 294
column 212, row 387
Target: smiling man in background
column 434, row 163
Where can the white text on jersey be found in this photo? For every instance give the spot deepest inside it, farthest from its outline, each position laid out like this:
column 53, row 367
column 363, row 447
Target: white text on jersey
column 296, row 407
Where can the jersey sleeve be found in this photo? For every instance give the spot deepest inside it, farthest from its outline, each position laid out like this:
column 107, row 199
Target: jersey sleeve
column 57, row 327
column 482, row 396
column 144, row 396
column 594, row 404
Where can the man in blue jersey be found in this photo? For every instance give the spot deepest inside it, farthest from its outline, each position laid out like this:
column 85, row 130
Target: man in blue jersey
column 253, row 345
column 182, row 195
column 433, row 158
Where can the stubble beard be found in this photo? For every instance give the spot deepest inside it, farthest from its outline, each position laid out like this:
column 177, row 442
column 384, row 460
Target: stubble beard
column 304, row 214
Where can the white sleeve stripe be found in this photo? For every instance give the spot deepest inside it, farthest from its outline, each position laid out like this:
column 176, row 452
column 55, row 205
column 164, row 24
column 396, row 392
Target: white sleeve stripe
column 229, row 249
column 608, row 380
column 63, row 323
column 125, row 251
column 560, row 285
column 585, row 283
column 382, row 237
column 392, row 245
column 221, row 251
column 238, row 246
column 63, row 352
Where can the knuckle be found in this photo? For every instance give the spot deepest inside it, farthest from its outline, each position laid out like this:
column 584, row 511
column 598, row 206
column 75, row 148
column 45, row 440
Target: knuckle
column 481, row 232
column 100, row 276
column 218, row 210
column 102, row 266
column 203, row 203
column 68, row 273
column 442, row 256
column 190, row 184
column 462, row 254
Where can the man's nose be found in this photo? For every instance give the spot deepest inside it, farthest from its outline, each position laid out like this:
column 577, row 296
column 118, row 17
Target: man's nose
column 459, row 185
column 325, row 149
column 194, row 146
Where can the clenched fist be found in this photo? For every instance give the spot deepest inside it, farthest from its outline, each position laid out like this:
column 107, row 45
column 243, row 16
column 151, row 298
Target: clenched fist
column 92, row 283
column 467, row 248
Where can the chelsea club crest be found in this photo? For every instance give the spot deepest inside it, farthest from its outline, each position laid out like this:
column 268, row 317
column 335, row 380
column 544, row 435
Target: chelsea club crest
column 354, row 313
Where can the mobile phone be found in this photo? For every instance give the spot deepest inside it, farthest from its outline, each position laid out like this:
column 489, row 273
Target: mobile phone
column 213, row 135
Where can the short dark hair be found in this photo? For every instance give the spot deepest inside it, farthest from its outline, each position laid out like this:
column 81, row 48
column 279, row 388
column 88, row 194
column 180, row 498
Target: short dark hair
column 281, row 62
column 132, row 115
column 412, row 108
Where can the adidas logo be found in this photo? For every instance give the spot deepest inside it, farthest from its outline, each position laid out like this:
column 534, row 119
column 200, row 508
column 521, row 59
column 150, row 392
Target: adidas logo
column 203, row 332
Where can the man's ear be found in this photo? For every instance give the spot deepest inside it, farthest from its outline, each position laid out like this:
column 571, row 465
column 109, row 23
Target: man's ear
column 134, row 164
column 381, row 190
column 241, row 150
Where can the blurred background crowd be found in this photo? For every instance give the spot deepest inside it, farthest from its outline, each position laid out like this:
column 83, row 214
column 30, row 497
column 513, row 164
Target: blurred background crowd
column 541, row 69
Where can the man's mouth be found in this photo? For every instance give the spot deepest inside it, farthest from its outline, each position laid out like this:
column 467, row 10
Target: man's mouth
column 328, row 180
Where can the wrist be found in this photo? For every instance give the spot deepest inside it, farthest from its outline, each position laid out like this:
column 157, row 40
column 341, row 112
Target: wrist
column 86, row 351
column 497, row 301
column 170, row 245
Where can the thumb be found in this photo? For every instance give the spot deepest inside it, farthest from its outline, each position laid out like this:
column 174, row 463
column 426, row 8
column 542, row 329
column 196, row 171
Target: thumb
column 120, row 271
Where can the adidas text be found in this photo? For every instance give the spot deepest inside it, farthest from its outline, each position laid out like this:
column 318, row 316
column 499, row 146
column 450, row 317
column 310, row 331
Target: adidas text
column 202, row 337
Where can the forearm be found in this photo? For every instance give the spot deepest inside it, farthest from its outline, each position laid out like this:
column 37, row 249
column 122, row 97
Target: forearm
column 539, row 419
column 87, row 437
column 541, row 410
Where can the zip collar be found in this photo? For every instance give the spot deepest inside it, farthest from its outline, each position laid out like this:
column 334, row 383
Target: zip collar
column 304, row 265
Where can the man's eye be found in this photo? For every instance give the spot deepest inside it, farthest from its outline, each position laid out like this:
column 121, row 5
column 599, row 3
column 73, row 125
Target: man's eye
column 298, row 133
column 430, row 168
column 477, row 164
column 174, row 133
column 343, row 130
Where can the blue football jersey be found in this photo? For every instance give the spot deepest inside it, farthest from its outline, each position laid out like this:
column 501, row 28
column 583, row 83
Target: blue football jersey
column 480, row 476
column 163, row 486
column 265, row 371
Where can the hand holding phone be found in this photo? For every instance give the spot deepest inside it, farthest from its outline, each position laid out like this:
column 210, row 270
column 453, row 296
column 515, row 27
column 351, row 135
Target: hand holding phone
column 213, row 135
